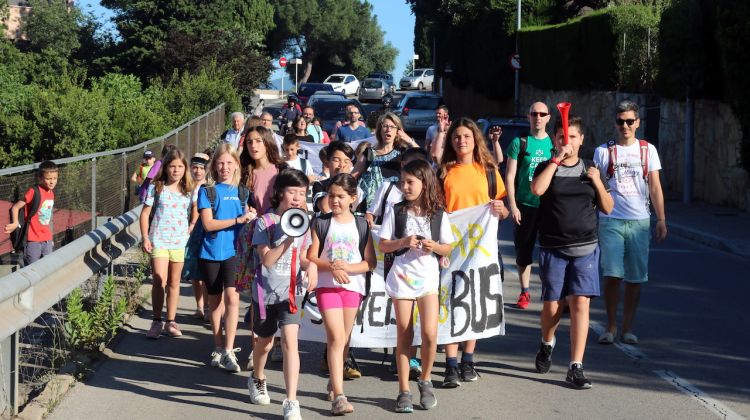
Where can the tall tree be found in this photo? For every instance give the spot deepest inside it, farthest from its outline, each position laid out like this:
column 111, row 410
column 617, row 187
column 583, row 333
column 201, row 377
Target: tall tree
column 331, row 35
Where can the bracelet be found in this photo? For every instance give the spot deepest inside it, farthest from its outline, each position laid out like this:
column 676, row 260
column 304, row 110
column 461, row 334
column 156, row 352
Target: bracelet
column 235, row 221
column 556, row 161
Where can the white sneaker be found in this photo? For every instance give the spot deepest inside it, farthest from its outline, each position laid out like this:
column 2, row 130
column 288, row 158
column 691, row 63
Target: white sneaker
column 250, row 361
column 258, row 392
column 291, row 410
column 216, row 356
column 229, row 360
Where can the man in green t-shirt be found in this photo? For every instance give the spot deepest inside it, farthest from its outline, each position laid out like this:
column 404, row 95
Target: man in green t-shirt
column 524, row 154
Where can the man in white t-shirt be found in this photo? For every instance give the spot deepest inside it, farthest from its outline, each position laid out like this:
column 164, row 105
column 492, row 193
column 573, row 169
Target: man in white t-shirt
column 632, row 167
column 267, row 119
column 442, row 115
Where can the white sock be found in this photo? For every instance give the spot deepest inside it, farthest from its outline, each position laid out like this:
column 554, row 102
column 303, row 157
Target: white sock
column 574, row 362
column 551, row 343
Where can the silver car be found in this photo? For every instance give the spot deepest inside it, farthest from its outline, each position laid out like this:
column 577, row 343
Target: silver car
column 374, row 90
column 420, row 79
column 417, row 111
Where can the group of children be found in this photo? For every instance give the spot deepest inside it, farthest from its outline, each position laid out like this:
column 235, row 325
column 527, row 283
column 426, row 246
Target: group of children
column 214, row 220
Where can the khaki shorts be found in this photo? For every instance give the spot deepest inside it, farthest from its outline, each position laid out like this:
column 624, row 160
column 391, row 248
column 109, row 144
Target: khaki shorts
column 174, row 255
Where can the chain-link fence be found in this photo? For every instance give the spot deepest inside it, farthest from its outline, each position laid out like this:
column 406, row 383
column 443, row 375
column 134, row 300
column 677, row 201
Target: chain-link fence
column 99, row 185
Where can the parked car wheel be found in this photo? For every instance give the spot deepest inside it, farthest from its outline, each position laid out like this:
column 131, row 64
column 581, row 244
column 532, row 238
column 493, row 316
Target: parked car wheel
column 420, row 86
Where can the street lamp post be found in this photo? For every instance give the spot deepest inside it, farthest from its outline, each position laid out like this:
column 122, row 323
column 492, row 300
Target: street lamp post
column 414, row 62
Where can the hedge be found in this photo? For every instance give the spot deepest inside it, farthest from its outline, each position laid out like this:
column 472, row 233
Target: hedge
column 612, row 48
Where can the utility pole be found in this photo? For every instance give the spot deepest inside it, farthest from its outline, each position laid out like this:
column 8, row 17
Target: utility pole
column 517, row 71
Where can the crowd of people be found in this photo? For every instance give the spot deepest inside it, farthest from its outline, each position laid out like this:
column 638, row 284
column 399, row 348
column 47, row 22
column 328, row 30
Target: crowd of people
column 214, row 219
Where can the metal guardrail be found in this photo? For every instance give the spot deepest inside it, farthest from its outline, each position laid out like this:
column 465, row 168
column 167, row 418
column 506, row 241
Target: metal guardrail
column 29, row 292
column 98, row 184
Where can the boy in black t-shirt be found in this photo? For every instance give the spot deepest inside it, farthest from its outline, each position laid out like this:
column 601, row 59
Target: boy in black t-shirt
column 571, row 190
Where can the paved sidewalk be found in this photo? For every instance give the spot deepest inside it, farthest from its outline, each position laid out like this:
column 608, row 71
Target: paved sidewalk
column 722, row 228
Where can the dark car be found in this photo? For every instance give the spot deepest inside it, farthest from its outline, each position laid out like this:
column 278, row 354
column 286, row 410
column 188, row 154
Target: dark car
column 307, row 89
column 511, row 127
column 417, row 111
column 334, row 110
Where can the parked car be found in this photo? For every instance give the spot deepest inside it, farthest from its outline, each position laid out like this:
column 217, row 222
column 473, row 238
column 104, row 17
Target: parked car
column 346, row 83
column 333, row 110
column 511, row 127
column 325, row 96
column 420, row 79
column 308, row 89
column 417, row 111
column 374, row 90
column 380, row 75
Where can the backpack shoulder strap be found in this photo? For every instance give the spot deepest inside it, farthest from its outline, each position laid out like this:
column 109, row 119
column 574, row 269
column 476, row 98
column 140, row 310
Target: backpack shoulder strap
column 399, row 225
column 435, row 225
column 643, row 146
column 303, row 165
column 36, row 201
column 211, row 195
column 612, row 150
column 321, row 224
column 524, row 145
column 364, row 234
column 379, row 220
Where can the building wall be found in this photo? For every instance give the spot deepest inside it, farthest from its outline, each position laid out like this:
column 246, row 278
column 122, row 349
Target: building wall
column 16, row 12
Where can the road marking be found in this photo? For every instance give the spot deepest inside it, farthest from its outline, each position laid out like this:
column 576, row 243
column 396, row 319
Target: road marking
column 709, row 403
column 682, row 385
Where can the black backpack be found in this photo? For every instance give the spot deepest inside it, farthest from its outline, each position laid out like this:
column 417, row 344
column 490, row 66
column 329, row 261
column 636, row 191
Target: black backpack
column 322, row 223
column 19, row 236
column 399, row 231
column 242, row 193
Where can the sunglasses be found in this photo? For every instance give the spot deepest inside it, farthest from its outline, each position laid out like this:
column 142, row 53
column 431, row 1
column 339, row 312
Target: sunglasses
column 539, row 114
column 629, row 121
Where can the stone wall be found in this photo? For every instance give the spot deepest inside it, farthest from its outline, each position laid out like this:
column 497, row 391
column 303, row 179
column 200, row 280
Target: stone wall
column 718, row 175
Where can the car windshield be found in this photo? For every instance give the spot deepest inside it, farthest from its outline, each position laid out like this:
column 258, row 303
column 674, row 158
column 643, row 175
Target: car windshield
column 416, row 73
column 424, row 102
column 372, row 84
column 307, row 90
column 331, row 110
column 335, row 79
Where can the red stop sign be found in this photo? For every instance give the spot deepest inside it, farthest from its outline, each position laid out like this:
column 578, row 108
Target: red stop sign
column 282, row 61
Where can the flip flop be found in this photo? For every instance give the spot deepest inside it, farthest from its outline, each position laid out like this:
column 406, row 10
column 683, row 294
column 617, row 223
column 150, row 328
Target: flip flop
column 629, row 338
column 607, row 338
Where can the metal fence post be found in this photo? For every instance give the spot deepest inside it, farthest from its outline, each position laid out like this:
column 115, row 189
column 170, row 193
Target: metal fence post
column 9, row 369
column 124, row 190
column 189, row 141
column 93, row 194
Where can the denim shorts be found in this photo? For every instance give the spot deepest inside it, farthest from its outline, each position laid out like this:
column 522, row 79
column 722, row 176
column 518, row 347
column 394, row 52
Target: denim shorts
column 624, row 245
column 564, row 276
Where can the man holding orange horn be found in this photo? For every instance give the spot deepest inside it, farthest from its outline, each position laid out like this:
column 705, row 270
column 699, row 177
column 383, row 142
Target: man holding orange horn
column 570, row 190
column 632, row 169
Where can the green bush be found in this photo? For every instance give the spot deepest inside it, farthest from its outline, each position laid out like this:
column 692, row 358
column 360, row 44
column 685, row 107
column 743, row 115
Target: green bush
column 92, row 329
column 613, row 48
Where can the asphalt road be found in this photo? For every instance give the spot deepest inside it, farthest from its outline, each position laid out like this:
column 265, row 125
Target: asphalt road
column 692, row 362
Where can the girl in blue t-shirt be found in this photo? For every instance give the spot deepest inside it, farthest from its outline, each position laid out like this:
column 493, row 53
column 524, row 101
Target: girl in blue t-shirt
column 165, row 234
column 222, row 214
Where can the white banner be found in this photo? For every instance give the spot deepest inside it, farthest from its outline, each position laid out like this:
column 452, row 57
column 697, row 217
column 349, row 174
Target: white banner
column 471, row 295
column 311, row 151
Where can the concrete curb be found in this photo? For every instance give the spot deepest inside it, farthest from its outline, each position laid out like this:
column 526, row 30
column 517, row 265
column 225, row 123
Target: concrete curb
column 707, row 239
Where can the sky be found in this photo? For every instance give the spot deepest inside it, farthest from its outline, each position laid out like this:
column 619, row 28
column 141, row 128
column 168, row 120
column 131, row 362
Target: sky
column 394, row 17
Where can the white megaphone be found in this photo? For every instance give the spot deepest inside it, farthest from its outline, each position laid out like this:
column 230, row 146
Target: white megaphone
column 294, row 222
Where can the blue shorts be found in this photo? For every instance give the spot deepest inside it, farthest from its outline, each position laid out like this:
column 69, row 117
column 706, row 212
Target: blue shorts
column 624, row 245
column 564, row 276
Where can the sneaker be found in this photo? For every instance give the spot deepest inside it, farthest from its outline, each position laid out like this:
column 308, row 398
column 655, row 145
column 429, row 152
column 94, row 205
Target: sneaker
column 451, row 378
column 468, row 373
column 291, row 410
column 258, row 391
column 171, row 329
column 276, row 354
column 523, row 300
column 415, row 369
column 441, row 348
column 341, row 406
column 426, row 395
column 250, row 361
column 351, row 372
column 229, row 360
column 576, row 378
column 216, row 356
column 403, row 402
column 155, row 330
column 543, row 358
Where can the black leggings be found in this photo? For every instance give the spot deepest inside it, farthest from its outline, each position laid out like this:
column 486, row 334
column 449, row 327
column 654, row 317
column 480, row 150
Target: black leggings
column 218, row 275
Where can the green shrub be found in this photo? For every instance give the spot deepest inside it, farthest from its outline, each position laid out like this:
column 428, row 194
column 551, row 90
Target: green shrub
column 92, row 329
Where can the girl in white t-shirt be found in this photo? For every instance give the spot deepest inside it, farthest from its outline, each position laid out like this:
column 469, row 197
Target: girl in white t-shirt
column 342, row 266
column 407, row 231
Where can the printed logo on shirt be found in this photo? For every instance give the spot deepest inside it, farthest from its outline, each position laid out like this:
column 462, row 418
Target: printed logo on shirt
column 45, row 212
